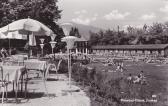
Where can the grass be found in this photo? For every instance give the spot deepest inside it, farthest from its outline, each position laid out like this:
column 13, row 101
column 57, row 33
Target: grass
column 156, row 75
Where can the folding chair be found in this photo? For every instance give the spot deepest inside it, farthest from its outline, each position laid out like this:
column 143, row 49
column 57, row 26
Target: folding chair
column 52, row 67
column 4, row 81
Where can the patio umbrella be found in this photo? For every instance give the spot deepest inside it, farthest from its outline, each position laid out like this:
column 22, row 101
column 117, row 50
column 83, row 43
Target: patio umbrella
column 27, row 26
column 12, row 35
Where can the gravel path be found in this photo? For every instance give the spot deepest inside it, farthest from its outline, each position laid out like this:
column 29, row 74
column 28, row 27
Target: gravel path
column 57, row 96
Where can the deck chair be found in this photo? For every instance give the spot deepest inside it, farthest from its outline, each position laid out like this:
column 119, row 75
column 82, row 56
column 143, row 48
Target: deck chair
column 52, row 67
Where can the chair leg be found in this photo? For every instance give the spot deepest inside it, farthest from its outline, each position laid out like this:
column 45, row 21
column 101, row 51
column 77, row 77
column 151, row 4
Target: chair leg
column 13, row 87
column 3, row 90
column 16, row 91
column 22, row 82
column 46, row 75
column 57, row 75
column 6, row 92
column 44, row 83
column 26, row 81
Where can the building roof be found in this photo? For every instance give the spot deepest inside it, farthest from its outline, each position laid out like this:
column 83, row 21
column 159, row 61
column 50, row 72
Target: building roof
column 132, row 47
column 81, row 39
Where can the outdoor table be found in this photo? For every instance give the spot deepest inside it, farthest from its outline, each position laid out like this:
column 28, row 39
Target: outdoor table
column 19, row 56
column 15, row 73
column 35, row 64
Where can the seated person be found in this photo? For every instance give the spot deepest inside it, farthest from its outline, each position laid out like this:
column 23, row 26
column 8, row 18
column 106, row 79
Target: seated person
column 121, row 69
column 13, row 51
column 142, row 74
column 118, row 67
column 4, row 53
column 0, row 57
column 143, row 78
column 122, row 64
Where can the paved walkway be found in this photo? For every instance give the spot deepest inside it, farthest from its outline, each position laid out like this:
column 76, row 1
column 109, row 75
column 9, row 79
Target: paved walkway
column 57, row 96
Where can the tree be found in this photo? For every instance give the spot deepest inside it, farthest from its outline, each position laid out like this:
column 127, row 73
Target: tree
column 94, row 38
column 156, row 28
column 155, row 33
column 45, row 11
column 74, row 32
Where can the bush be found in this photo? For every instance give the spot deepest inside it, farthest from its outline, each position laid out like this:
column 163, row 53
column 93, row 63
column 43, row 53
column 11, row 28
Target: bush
column 63, row 67
column 76, row 72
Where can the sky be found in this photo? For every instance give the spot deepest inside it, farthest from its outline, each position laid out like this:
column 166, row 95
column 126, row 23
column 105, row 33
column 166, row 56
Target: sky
column 108, row 14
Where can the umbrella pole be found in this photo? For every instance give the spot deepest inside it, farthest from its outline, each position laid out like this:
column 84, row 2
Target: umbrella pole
column 29, row 50
column 9, row 47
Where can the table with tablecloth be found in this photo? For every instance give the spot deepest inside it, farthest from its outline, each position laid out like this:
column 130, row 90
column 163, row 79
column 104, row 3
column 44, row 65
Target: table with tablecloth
column 15, row 60
column 35, row 64
column 19, row 57
column 14, row 74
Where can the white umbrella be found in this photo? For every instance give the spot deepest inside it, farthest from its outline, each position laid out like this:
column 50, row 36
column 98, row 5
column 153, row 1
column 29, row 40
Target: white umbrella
column 12, row 35
column 26, row 26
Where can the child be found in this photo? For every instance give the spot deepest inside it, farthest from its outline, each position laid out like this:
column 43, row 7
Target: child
column 121, row 66
column 118, row 66
column 129, row 78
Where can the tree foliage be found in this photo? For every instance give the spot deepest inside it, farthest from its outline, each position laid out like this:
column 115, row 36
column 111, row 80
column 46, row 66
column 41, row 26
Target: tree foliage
column 45, row 11
column 74, row 32
column 154, row 34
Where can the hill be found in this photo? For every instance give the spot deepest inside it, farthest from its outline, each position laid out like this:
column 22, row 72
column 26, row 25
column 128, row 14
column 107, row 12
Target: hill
column 84, row 30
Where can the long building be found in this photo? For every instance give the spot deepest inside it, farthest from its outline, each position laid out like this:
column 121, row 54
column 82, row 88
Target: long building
column 150, row 49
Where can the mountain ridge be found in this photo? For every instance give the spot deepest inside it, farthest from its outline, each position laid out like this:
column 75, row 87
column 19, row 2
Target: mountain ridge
column 84, row 30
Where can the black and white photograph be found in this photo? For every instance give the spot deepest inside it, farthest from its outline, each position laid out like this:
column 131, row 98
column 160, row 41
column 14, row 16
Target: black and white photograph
column 83, row 52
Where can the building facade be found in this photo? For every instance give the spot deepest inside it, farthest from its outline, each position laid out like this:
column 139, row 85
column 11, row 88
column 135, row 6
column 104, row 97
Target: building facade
column 81, row 46
column 146, row 50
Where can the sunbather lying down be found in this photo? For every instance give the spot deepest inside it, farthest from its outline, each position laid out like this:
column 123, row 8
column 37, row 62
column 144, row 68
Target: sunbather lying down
column 140, row 80
column 137, row 79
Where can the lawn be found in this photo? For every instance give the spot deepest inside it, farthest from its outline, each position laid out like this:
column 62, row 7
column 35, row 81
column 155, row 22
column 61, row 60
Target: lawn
column 156, row 76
